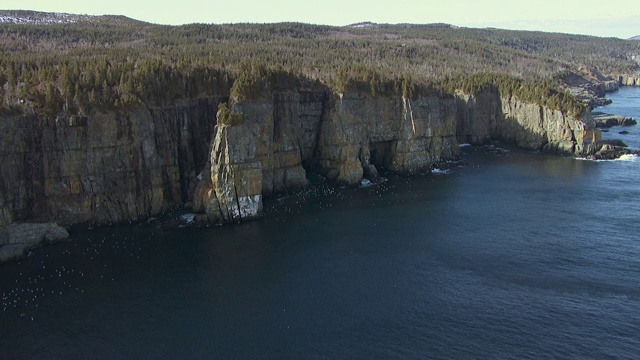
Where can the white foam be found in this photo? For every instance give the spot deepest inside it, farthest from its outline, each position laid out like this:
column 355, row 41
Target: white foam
column 627, row 157
column 365, row 182
column 437, row 171
column 464, row 145
column 188, row 218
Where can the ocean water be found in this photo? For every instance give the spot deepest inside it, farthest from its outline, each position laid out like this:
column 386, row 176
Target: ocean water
column 625, row 102
column 518, row 256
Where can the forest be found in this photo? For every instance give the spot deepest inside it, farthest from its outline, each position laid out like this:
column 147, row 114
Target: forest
column 111, row 62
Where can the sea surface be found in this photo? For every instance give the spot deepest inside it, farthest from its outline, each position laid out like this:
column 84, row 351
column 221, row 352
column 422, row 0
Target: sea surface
column 626, row 102
column 520, row 255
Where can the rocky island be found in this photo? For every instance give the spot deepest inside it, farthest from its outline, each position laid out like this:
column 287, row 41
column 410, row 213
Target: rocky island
column 146, row 120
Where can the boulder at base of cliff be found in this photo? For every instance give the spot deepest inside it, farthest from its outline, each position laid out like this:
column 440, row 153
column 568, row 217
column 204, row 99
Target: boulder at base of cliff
column 611, row 152
column 612, row 142
column 16, row 239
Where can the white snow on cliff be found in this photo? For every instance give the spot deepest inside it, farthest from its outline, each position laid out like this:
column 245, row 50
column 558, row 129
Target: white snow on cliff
column 32, row 17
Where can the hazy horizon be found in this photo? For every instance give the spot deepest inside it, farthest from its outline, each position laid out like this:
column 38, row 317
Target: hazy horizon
column 618, row 19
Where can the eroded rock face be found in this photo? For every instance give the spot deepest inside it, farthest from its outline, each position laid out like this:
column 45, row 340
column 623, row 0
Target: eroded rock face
column 235, row 177
column 262, row 155
column 361, row 133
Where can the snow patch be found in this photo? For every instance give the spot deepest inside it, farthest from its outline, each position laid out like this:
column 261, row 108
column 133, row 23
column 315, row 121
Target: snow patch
column 625, row 157
column 40, row 18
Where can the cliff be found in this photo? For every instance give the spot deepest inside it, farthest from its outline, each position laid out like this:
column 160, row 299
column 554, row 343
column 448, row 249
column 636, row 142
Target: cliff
column 626, row 80
column 489, row 116
column 102, row 169
column 346, row 137
column 133, row 164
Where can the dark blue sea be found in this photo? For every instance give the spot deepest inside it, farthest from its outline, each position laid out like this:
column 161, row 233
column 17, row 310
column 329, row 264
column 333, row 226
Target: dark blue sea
column 516, row 255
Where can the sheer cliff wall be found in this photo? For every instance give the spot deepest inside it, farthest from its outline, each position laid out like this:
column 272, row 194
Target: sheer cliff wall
column 105, row 168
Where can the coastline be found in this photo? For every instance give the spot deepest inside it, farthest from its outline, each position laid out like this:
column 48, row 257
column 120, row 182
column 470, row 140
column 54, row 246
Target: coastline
column 345, row 160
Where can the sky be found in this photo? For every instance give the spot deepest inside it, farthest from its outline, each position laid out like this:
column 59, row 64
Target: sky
column 613, row 18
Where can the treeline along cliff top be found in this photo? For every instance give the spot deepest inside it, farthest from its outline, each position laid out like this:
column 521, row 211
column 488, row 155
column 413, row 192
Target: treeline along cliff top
column 69, row 64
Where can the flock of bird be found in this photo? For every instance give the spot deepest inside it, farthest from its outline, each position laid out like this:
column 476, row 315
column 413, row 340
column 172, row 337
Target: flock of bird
column 62, row 269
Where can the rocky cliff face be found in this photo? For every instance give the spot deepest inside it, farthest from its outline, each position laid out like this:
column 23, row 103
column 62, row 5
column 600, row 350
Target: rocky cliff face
column 360, row 134
column 489, row 116
column 102, row 169
column 130, row 165
column 626, row 80
column 346, row 137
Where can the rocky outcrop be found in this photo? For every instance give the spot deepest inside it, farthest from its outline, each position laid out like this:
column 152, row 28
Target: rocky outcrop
column 16, row 239
column 603, row 120
column 231, row 188
column 590, row 86
column 612, row 150
column 262, row 155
